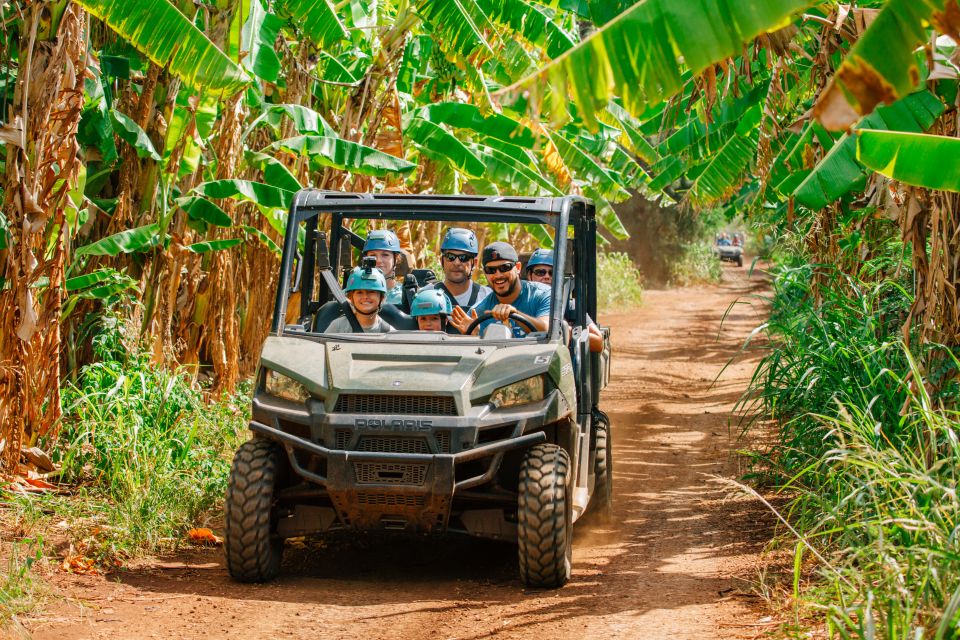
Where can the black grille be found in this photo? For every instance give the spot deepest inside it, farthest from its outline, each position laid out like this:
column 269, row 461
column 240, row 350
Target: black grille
column 396, row 405
column 390, row 499
column 390, row 444
column 443, row 441
column 342, row 439
column 387, row 473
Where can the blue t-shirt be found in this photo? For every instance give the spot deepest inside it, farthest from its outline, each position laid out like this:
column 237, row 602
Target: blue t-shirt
column 534, row 301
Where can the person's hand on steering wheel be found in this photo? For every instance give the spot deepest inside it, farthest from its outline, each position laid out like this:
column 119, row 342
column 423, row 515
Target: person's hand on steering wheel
column 502, row 312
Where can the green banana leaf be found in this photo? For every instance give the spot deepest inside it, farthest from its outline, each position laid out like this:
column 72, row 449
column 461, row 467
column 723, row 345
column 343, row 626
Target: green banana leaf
column 882, row 65
column 264, row 195
column 461, row 23
column 921, row 160
column 642, row 54
column 159, row 31
column 317, row 19
column 257, row 38
column 131, row 133
column 305, row 120
column 513, row 177
column 202, row 209
column 442, row 145
column 274, row 172
column 262, row 237
column 725, row 172
column 89, row 279
column 129, row 241
column 531, row 22
column 468, row 116
column 345, row 155
column 840, row 173
column 587, row 169
column 213, row 245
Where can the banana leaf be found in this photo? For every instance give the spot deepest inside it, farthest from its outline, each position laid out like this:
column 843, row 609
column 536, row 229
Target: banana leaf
column 131, row 133
column 129, row 241
column 461, row 23
column 468, row 116
column 257, row 37
column 317, row 19
column 213, row 245
column 531, row 22
column 345, row 155
column 882, row 66
column 159, row 31
column 921, row 160
column 264, row 195
column 201, row 209
column 840, row 173
column 442, row 145
column 642, row 54
column 275, row 173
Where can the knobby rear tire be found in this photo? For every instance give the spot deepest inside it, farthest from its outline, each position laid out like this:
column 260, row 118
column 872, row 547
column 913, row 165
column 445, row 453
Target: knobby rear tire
column 252, row 546
column 603, row 471
column 545, row 517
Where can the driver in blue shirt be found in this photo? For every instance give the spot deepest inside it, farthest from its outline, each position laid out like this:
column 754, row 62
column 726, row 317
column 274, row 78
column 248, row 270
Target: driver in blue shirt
column 531, row 300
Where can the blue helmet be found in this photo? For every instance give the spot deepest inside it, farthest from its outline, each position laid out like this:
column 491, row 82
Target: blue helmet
column 382, row 240
column 456, row 239
column 540, row 256
column 430, row 302
column 363, row 280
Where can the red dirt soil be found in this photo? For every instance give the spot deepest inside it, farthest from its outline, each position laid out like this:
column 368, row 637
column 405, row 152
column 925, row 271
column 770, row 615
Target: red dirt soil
column 678, row 563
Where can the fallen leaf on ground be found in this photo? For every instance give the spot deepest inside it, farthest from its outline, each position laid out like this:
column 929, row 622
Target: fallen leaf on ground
column 203, row 536
column 78, row 563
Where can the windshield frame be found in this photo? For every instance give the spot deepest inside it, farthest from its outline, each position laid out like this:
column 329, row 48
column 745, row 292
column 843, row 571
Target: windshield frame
column 310, row 204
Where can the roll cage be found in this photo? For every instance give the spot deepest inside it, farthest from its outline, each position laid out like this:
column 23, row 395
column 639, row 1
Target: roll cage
column 328, row 254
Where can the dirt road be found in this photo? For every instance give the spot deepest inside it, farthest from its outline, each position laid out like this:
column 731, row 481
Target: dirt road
column 677, row 565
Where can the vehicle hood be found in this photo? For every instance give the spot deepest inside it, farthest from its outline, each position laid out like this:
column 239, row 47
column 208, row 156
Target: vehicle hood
column 469, row 371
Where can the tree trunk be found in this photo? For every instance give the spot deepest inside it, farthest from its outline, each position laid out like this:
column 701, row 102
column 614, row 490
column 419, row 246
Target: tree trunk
column 40, row 172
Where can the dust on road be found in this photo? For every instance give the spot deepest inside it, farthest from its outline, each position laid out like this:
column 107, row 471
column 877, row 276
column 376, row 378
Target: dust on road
column 678, row 563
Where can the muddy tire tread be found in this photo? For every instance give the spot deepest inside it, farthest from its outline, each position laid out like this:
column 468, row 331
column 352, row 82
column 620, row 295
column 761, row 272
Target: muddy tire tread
column 543, row 518
column 252, row 548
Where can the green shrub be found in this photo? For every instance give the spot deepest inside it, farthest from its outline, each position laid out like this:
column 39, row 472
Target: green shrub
column 696, row 264
column 619, row 282
column 148, row 456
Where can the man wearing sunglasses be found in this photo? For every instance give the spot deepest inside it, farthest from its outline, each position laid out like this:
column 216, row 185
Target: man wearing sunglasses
column 458, row 257
column 540, row 269
column 510, row 294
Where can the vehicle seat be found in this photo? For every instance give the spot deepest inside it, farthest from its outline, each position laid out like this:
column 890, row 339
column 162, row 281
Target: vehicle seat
column 398, row 319
column 326, row 314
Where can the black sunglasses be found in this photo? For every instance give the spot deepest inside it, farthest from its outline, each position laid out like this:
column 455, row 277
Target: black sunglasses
column 546, row 271
column 458, row 257
column 502, row 268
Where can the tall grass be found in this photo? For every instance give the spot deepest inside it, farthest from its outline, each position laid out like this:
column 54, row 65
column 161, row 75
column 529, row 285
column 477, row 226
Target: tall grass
column 144, row 454
column 18, row 587
column 867, row 454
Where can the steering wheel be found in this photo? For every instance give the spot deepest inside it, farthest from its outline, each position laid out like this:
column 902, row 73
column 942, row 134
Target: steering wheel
column 488, row 314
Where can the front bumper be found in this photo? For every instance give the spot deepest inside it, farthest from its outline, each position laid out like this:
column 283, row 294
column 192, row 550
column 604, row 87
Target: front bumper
column 375, row 489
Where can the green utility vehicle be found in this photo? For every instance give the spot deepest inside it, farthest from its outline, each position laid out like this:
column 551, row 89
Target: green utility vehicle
column 422, row 431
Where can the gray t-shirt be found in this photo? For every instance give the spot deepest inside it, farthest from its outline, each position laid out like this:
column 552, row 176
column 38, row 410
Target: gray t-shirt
column 464, row 298
column 342, row 325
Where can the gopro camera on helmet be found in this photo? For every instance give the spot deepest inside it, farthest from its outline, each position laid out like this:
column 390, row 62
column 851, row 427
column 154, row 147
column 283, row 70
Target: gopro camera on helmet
column 368, row 263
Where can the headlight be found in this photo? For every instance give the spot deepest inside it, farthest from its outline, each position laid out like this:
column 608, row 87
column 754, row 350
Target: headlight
column 281, row 386
column 522, row 392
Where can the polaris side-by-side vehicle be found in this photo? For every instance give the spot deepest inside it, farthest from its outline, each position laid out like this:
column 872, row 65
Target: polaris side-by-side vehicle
column 423, row 431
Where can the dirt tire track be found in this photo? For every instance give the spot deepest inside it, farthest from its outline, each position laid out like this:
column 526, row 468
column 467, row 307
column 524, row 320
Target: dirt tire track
column 678, row 563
